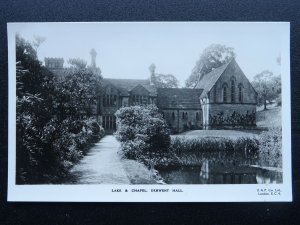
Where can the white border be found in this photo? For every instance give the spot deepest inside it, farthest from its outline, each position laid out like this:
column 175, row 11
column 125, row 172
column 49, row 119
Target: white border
column 191, row 193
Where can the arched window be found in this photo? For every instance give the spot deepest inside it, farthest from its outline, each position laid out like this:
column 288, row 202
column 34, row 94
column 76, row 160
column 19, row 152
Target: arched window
column 224, row 92
column 232, row 90
column 182, row 115
column 197, row 116
column 186, row 115
column 215, row 93
column 241, row 93
column 173, row 116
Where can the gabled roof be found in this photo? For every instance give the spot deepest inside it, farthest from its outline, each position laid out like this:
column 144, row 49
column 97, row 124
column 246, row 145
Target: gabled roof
column 139, row 87
column 126, row 85
column 182, row 98
column 208, row 80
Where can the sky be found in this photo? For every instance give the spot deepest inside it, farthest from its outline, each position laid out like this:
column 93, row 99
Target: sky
column 126, row 50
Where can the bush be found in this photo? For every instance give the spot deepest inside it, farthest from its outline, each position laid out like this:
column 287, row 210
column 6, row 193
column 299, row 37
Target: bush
column 143, row 132
column 270, row 149
column 45, row 154
column 233, row 120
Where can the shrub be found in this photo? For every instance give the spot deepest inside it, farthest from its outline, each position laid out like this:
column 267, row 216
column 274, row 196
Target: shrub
column 270, row 148
column 45, row 154
column 143, row 132
column 233, row 120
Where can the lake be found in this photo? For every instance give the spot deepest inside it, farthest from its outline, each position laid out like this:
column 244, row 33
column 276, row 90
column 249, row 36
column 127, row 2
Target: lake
column 218, row 173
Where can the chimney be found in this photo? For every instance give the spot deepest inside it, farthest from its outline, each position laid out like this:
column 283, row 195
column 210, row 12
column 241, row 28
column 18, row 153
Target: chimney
column 152, row 76
column 93, row 57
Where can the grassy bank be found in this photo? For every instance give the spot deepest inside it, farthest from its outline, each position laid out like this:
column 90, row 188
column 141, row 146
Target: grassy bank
column 270, row 117
column 138, row 173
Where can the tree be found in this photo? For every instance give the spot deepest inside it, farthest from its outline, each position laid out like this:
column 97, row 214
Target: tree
column 38, row 40
column 211, row 58
column 162, row 80
column 267, row 86
column 77, row 63
column 51, row 137
column 35, row 92
column 166, row 81
column 77, row 93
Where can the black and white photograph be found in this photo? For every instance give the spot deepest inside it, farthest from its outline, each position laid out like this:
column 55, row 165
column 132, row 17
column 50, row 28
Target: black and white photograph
column 149, row 111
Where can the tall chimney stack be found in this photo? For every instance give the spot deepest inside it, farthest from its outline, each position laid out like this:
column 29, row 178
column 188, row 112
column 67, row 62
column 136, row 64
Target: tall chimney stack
column 93, row 56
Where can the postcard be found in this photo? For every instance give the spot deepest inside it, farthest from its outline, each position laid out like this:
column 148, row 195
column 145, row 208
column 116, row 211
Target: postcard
column 149, row 112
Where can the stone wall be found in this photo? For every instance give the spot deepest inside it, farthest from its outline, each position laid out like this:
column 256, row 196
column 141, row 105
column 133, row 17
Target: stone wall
column 180, row 120
column 233, row 71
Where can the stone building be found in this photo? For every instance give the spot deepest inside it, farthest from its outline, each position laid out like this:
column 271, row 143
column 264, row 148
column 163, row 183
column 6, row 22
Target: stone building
column 222, row 98
column 180, row 107
column 123, row 92
column 228, row 98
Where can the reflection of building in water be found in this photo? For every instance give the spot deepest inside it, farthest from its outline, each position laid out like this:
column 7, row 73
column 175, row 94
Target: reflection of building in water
column 216, row 173
column 264, row 176
column 220, row 174
column 204, row 172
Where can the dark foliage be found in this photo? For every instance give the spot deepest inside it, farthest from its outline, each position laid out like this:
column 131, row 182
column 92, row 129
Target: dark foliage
column 233, row 120
column 53, row 132
column 270, row 149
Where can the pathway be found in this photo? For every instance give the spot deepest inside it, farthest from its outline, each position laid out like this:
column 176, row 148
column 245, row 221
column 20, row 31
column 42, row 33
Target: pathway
column 101, row 165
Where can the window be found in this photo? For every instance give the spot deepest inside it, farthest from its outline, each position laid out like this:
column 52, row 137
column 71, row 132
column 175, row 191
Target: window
column 241, row 93
column 225, row 93
column 197, row 116
column 182, row 115
column 139, row 100
column 109, row 122
column 173, row 116
column 110, row 100
column 232, row 90
column 186, row 115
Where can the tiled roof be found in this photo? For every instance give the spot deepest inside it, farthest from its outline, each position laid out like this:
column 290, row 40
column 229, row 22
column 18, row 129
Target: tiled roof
column 209, row 79
column 126, row 85
column 183, row 98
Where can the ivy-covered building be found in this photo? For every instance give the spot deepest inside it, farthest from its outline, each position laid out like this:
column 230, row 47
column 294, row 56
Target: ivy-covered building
column 222, row 98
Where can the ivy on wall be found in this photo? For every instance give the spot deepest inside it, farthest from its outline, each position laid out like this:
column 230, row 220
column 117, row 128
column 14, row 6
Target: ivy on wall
column 233, row 120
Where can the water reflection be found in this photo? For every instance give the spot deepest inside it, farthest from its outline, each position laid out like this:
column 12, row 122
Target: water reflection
column 216, row 173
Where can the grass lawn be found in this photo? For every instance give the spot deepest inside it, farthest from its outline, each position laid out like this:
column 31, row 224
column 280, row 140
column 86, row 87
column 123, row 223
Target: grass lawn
column 270, row 117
